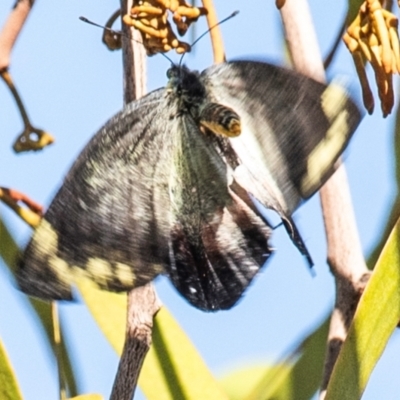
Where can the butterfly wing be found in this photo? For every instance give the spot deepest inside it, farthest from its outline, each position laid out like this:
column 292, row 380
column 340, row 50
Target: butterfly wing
column 293, row 131
column 107, row 218
column 293, row 128
column 148, row 194
column 218, row 242
column 151, row 192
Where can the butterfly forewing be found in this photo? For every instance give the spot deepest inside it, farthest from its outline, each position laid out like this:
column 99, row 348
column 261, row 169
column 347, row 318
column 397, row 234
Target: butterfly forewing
column 109, row 218
column 293, row 128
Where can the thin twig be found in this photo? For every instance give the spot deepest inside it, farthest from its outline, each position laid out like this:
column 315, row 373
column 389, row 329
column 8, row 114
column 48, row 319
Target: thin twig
column 31, row 215
column 338, row 40
column 17, row 196
column 5, row 75
column 110, row 38
column 11, row 30
column 134, row 60
column 345, row 256
column 31, row 138
column 215, row 33
column 143, row 302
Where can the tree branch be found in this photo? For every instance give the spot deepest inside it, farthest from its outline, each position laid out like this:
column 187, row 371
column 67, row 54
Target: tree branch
column 345, row 256
column 31, row 138
column 143, row 302
column 11, row 30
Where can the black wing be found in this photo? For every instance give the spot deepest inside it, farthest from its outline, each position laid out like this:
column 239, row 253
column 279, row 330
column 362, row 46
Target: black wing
column 218, row 242
column 293, row 131
column 105, row 221
column 148, row 194
column 293, row 128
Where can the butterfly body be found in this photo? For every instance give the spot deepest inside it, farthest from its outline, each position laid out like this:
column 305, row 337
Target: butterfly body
column 166, row 185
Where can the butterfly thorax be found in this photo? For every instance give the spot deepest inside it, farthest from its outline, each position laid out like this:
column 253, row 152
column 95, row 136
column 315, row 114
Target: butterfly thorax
column 187, row 88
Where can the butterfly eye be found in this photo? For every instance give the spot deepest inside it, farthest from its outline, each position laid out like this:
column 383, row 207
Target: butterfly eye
column 172, row 72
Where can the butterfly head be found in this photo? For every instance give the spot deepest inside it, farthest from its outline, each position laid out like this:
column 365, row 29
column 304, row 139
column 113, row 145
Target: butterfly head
column 185, row 84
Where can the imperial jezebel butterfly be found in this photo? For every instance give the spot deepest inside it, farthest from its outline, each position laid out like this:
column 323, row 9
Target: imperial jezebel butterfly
column 167, row 185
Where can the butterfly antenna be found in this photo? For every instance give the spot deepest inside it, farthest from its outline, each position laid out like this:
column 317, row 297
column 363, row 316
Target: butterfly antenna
column 214, row 26
column 117, row 32
column 88, row 21
column 209, row 29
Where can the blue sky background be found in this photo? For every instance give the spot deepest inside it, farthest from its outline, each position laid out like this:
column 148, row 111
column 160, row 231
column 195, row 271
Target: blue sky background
column 71, row 85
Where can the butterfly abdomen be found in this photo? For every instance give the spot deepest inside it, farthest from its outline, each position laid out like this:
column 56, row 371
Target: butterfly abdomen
column 220, row 120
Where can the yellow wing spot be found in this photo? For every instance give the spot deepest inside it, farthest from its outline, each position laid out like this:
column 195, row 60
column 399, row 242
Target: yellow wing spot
column 124, row 274
column 321, row 158
column 332, row 101
column 61, row 268
column 45, row 238
column 100, row 270
column 45, row 241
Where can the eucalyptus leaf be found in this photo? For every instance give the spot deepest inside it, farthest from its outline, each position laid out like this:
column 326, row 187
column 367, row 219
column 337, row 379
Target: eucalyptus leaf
column 376, row 317
column 9, row 251
column 296, row 377
column 9, row 389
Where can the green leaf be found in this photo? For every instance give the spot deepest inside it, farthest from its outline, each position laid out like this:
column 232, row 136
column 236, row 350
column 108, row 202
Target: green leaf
column 376, row 317
column 297, row 377
column 303, row 379
column 173, row 369
column 87, row 397
column 254, row 382
column 9, row 389
column 9, row 251
column 8, row 248
column 108, row 310
column 174, row 361
column 395, row 211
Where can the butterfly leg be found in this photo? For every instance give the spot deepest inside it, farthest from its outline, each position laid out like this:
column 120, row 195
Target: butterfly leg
column 287, row 221
column 296, row 238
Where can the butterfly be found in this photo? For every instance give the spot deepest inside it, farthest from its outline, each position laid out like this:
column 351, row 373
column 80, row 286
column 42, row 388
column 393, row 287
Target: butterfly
column 168, row 185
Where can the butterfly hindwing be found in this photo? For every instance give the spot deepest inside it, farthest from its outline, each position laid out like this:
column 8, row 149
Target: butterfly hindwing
column 218, row 243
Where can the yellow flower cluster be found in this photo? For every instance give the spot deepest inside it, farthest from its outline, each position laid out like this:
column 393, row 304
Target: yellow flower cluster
column 373, row 38
column 151, row 18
